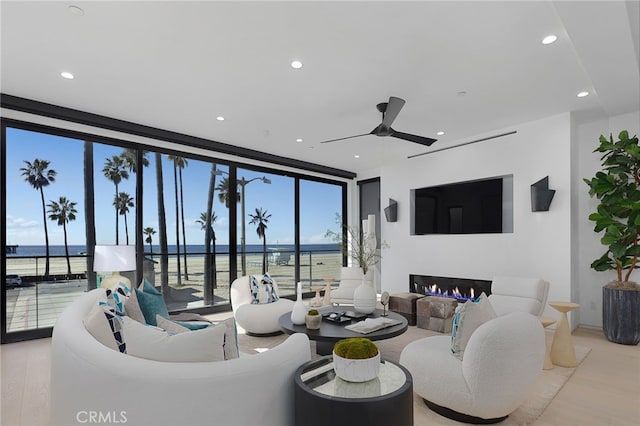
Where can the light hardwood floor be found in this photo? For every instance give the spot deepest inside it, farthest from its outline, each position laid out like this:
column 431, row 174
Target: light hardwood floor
column 604, row 390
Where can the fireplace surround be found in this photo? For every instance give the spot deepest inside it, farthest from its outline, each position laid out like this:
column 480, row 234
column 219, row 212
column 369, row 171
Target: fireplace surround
column 462, row 289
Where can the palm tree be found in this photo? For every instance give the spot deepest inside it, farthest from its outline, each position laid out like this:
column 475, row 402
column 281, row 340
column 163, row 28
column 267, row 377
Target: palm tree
column 180, row 163
column 224, row 194
column 39, row 175
column 162, row 224
column 204, row 223
column 149, row 232
column 114, row 170
column 175, row 187
column 210, row 235
column 261, row 218
column 210, row 272
column 63, row 211
column 130, row 159
column 122, row 203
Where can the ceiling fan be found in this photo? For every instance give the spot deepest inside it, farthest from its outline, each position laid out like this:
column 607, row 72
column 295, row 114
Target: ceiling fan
column 389, row 112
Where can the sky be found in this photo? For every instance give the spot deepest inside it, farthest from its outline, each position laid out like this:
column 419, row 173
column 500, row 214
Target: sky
column 319, row 201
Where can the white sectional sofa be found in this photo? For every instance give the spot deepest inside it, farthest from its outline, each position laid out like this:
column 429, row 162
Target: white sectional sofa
column 89, row 379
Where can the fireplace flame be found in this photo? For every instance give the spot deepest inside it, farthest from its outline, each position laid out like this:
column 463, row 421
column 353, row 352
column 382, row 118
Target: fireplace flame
column 434, row 290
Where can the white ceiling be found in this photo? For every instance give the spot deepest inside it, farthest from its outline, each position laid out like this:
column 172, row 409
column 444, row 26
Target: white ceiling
column 178, row 65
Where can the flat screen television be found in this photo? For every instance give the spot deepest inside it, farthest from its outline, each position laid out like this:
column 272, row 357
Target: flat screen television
column 473, row 207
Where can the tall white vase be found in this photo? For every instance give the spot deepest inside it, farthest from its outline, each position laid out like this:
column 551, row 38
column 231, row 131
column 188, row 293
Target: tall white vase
column 364, row 296
column 299, row 310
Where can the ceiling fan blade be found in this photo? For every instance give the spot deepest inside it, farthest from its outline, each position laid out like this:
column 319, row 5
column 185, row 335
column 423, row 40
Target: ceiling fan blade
column 393, row 108
column 413, row 138
column 348, row 137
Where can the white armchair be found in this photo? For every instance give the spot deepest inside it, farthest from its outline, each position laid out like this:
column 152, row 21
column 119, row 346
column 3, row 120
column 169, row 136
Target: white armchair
column 511, row 294
column 501, row 363
column 350, row 278
column 256, row 319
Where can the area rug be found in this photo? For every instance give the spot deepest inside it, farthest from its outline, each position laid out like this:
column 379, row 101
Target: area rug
column 546, row 388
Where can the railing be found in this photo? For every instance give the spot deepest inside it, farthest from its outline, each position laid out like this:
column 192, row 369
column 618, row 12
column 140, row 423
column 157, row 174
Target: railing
column 39, row 301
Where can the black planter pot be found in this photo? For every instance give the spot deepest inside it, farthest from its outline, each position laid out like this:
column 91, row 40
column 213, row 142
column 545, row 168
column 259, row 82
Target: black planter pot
column 621, row 315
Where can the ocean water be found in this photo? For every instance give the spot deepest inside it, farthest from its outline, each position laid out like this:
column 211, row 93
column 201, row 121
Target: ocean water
column 57, row 250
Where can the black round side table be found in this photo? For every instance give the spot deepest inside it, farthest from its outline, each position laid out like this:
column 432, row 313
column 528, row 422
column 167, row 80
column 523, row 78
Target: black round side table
column 323, row 399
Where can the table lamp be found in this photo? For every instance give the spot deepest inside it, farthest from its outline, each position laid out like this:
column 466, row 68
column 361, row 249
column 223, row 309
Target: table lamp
column 114, row 259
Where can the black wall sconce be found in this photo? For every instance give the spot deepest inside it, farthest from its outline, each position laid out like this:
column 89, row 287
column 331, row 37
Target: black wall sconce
column 391, row 211
column 541, row 195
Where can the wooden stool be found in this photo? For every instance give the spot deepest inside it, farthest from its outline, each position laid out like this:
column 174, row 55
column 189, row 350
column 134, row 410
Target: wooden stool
column 405, row 305
column 563, row 353
column 436, row 313
column 546, row 322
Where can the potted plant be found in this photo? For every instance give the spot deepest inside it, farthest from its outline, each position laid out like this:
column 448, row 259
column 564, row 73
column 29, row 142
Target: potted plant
column 617, row 187
column 356, row 359
column 361, row 247
column 313, row 319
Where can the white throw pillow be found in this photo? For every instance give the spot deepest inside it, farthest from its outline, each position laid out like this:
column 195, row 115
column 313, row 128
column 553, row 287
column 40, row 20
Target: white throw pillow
column 132, row 307
column 230, row 334
column 468, row 318
column 170, row 326
column 152, row 343
column 97, row 325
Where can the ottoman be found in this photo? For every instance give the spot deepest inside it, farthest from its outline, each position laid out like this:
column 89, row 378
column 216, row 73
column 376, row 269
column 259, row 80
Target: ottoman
column 405, row 305
column 436, row 313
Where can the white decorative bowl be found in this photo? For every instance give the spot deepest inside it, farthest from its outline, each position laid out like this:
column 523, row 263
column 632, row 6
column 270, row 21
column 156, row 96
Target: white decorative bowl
column 356, row 370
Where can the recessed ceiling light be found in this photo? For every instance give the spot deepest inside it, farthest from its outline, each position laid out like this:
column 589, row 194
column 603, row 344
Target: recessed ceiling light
column 296, row 64
column 583, row 94
column 298, row 140
column 67, row 75
column 356, row 156
column 549, row 39
column 76, row 10
column 440, row 133
column 220, row 118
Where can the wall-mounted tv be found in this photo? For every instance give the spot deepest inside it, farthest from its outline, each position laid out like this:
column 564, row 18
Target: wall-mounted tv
column 473, row 207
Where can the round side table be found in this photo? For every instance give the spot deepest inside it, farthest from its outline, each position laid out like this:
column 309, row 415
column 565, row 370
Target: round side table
column 546, row 322
column 563, row 353
column 322, row 399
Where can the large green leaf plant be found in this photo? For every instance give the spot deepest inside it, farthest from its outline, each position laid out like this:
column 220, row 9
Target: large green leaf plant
column 617, row 187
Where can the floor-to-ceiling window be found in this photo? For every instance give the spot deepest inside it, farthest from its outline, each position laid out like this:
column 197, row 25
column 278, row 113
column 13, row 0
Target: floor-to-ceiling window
column 266, row 226
column 321, row 207
column 196, row 223
column 44, row 227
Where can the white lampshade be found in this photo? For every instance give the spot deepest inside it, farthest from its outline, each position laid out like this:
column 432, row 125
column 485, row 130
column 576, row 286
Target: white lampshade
column 114, row 258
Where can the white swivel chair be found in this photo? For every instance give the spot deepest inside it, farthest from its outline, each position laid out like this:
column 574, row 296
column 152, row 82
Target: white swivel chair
column 256, row 319
column 350, row 278
column 501, row 363
column 511, row 294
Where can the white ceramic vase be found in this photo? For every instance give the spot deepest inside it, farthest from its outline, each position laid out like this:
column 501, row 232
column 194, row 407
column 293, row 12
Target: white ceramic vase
column 299, row 311
column 356, row 370
column 364, row 296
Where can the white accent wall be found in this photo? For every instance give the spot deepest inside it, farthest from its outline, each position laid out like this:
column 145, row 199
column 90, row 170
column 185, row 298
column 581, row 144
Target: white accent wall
column 557, row 245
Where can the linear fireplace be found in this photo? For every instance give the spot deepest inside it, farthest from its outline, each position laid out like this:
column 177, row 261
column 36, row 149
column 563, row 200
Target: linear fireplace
column 462, row 289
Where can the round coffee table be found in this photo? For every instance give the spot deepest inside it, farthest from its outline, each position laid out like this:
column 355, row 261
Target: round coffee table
column 329, row 332
column 323, row 399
